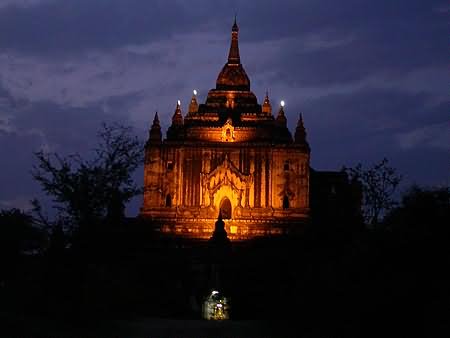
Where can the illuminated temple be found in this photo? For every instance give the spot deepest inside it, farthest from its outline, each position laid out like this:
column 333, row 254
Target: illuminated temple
column 229, row 154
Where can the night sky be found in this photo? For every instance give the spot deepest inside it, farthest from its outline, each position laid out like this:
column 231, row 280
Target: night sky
column 369, row 77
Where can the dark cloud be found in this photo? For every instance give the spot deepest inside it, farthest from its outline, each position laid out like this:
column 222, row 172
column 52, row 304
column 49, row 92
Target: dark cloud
column 366, row 74
column 51, row 127
column 373, row 110
column 71, row 26
column 74, row 25
column 366, row 125
column 387, row 39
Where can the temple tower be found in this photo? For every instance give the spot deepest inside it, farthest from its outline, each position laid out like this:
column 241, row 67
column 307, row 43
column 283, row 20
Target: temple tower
column 231, row 155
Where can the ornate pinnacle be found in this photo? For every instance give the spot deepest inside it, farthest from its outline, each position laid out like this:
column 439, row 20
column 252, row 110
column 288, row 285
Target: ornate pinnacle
column 177, row 118
column 235, row 26
column 281, row 117
column 193, row 105
column 156, row 120
column 233, row 56
column 300, row 131
column 267, row 107
column 155, row 135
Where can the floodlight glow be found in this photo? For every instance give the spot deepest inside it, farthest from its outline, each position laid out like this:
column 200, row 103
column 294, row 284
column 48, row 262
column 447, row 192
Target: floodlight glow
column 195, row 92
column 215, row 292
column 282, row 103
column 179, row 102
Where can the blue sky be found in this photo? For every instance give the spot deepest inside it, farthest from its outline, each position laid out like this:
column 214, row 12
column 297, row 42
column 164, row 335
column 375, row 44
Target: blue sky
column 369, row 77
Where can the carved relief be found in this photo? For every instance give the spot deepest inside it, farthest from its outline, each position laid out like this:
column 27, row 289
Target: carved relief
column 287, row 185
column 226, row 180
column 228, row 131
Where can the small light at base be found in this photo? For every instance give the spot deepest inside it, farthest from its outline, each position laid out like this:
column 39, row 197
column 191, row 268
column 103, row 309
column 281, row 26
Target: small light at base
column 216, row 307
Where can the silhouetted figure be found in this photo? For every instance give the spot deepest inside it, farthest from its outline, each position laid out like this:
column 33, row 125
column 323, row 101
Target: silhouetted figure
column 220, row 237
column 220, row 248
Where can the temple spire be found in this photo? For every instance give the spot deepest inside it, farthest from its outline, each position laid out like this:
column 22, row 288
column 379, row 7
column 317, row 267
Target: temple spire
column 233, row 56
column 156, row 121
column 233, row 76
column 300, row 131
column 267, row 107
column 155, row 131
column 177, row 118
column 193, row 105
column 281, row 117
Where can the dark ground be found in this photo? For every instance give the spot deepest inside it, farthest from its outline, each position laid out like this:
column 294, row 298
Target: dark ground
column 337, row 279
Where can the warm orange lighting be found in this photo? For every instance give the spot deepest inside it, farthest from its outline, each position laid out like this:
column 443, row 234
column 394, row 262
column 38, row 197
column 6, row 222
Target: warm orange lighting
column 228, row 154
column 228, row 131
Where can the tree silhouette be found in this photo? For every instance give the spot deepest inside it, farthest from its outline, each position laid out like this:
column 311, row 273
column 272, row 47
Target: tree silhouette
column 85, row 191
column 379, row 184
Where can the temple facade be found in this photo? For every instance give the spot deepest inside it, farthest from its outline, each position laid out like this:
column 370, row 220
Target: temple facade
column 232, row 155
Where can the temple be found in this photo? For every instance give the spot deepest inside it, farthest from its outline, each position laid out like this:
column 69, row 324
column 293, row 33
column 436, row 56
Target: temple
column 229, row 154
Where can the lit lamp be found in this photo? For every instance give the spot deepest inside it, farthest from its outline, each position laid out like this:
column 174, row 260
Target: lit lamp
column 281, row 118
column 193, row 105
column 216, row 307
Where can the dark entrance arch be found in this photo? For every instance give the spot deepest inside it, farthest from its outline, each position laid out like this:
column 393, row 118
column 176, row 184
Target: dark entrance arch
column 169, row 201
column 225, row 208
column 285, row 202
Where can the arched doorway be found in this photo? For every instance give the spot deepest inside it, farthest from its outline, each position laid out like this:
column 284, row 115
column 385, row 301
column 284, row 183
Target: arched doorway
column 225, row 208
column 168, row 201
column 285, row 202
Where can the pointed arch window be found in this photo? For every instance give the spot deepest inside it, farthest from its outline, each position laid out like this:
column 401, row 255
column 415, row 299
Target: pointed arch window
column 225, row 208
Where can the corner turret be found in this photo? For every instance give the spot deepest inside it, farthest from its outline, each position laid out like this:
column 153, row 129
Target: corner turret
column 266, row 106
column 155, row 135
column 281, row 117
column 175, row 131
column 177, row 118
column 193, row 105
column 300, row 131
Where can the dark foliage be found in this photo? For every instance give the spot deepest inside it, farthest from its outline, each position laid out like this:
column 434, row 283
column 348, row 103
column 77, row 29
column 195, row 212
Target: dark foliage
column 337, row 280
column 424, row 212
column 379, row 184
column 19, row 239
column 18, row 235
column 86, row 191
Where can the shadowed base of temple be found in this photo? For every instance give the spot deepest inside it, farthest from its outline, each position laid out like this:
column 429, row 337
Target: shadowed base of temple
column 237, row 230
